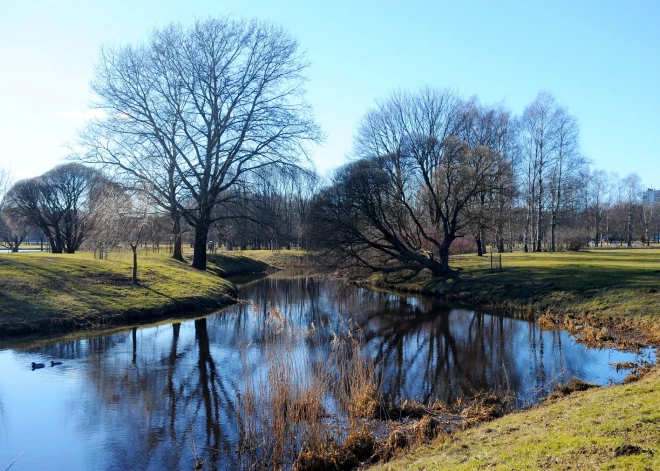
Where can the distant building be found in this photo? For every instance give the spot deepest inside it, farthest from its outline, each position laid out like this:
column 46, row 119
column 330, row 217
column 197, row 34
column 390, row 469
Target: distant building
column 651, row 196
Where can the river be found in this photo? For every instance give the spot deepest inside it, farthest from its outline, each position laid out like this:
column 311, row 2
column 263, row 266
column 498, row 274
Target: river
column 146, row 397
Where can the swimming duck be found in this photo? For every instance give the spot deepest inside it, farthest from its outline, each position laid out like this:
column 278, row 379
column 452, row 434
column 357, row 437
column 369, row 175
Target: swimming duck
column 55, row 363
column 36, row 366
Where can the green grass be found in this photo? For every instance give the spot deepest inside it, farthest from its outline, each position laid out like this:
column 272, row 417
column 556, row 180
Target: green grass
column 582, row 431
column 282, row 259
column 589, row 292
column 42, row 292
column 612, row 289
column 230, row 263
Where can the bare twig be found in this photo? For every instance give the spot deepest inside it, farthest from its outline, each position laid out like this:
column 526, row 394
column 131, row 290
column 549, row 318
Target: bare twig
column 13, row 462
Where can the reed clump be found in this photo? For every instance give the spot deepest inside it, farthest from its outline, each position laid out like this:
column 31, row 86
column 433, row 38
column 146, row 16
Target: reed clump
column 359, row 448
column 484, row 408
column 293, row 404
column 312, row 402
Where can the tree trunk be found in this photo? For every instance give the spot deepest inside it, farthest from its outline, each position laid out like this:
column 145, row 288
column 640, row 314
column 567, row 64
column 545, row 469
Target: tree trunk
column 630, row 226
column 480, row 251
column 443, row 268
column 199, row 254
column 607, row 227
column 553, row 228
column 177, row 250
column 527, row 224
column 134, row 275
column 539, row 236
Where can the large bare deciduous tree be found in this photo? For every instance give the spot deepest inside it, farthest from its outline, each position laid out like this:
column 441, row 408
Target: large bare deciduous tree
column 191, row 113
column 413, row 189
column 58, row 203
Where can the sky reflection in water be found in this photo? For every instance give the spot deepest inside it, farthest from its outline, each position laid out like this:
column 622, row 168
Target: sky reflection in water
column 135, row 399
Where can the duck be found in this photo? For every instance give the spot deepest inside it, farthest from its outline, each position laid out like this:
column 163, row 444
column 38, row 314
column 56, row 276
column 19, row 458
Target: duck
column 36, row 366
column 55, row 363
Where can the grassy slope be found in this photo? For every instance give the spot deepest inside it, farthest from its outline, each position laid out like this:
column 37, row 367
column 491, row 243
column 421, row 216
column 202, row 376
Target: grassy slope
column 616, row 289
column 578, row 432
column 610, row 288
column 42, row 292
column 280, row 258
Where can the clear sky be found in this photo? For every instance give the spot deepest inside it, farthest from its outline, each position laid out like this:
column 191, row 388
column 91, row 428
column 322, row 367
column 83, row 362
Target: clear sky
column 599, row 58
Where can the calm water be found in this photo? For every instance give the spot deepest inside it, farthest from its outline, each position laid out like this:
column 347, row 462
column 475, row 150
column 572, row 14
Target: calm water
column 138, row 399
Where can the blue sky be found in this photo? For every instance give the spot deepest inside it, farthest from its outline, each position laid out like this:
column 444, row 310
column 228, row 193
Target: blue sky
column 599, row 58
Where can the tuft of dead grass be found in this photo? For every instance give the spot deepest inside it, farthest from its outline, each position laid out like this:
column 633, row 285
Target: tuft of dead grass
column 574, row 385
column 322, row 414
column 484, row 408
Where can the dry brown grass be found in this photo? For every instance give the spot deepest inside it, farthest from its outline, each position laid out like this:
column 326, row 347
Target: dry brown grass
column 322, row 414
column 574, row 385
column 484, row 408
column 283, row 412
column 638, row 371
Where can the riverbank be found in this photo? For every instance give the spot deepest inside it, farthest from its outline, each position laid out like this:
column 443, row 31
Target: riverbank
column 602, row 296
column 282, row 259
column 48, row 293
column 605, row 428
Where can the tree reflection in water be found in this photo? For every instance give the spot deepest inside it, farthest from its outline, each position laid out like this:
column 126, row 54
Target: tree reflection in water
column 144, row 396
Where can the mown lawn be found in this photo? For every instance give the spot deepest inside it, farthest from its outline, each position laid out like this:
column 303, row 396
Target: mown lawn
column 614, row 289
column 616, row 427
column 41, row 292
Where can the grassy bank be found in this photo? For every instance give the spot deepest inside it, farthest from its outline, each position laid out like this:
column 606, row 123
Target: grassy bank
column 282, row 259
column 600, row 294
column 42, row 292
column 605, row 428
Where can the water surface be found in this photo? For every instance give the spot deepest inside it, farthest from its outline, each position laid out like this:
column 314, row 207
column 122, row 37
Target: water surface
column 143, row 398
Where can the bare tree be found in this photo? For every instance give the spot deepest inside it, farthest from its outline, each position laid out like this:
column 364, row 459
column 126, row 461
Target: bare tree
column 539, row 141
column 564, row 164
column 5, row 179
column 12, row 230
column 491, row 128
column 413, row 190
column 649, row 212
column 598, row 188
column 194, row 111
column 631, row 190
column 122, row 216
column 57, row 203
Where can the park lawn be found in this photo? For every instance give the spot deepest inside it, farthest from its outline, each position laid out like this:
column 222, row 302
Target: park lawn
column 282, row 259
column 595, row 294
column 41, row 292
column 582, row 431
